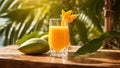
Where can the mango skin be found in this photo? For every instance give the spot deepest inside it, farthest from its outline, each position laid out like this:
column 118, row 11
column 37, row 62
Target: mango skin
column 34, row 46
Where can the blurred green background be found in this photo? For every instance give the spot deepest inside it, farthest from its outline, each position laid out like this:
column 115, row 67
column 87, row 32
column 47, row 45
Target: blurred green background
column 22, row 17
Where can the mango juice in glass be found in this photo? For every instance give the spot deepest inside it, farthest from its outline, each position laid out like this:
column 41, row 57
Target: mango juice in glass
column 58, row 38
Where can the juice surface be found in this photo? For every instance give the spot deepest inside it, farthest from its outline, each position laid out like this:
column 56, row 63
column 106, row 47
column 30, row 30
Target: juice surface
column 58, row 37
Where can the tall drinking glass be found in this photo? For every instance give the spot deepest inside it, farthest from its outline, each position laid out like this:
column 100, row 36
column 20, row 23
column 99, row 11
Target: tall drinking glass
column 58, row 38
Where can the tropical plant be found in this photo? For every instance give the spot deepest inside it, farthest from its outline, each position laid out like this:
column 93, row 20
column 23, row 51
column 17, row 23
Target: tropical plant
column 89, row 26
column 22, row 18
column 110, row 38
column 89, row 23
column 28, row 16
column 22, row 12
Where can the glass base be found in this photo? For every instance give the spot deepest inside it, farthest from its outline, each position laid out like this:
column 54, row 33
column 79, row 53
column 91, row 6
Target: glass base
column 62, row 54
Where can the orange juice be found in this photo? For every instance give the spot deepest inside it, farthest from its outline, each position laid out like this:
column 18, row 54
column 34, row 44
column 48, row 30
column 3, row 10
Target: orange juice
column 58, row 37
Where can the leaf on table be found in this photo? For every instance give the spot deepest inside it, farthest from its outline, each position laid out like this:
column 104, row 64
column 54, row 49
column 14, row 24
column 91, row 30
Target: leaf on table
column 94, row 44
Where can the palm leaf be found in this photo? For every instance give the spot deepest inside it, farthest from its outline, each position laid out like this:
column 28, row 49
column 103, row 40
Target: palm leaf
column 82, row 31
column 21, row 19
column 1, row 2
column 93, row 10
column 25, row 25
column 29, row 36
column 18, row 14
column 6, row 39
column 3, row 24
column 5, row 5
column 15, row 4
column 55, row 9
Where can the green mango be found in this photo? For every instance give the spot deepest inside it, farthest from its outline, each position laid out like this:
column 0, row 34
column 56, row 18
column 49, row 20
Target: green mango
column 34, row 46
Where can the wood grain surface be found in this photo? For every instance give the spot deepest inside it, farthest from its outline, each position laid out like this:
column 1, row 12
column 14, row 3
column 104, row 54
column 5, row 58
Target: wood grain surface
column 10, row 57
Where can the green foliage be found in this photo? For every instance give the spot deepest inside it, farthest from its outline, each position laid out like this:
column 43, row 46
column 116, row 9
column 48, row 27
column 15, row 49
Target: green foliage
column 30, row 13
column 29, row 36
column 116, row 14
column 55, row 9
column 89, row 14
column 23, row 18
column 26, row 18
column 94, row 44
column 94, row 12
column 21, row 13
column 78, row 32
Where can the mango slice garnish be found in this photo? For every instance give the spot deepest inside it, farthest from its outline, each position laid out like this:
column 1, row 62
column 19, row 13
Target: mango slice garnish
column 67, row 17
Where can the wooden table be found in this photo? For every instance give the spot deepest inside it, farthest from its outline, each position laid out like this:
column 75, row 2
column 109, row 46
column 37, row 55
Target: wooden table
column 10, row 57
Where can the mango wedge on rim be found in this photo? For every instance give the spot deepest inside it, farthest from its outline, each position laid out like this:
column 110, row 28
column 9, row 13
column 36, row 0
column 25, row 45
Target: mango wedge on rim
column 67, row 17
